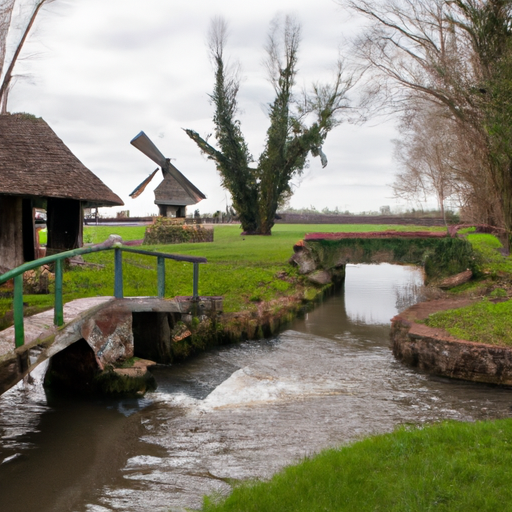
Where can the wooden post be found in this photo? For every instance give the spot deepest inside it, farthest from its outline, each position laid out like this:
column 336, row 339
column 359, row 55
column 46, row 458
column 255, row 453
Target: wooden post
column 118, row 274
column 196, row 281
column 161, row 276
column 58, row 312
column 19, row 330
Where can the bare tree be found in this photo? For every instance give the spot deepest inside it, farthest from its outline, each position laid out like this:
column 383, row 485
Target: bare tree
column 5, row 22
column 5, row 25
column 454, row 55
column 427, row 154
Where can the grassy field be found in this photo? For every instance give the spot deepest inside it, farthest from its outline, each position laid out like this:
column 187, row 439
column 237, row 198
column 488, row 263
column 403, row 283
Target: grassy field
column 242, row 269
column 448, row 467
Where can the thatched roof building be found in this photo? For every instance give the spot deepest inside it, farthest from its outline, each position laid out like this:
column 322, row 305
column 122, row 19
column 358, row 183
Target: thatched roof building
column 35, row 162
column 37, row 170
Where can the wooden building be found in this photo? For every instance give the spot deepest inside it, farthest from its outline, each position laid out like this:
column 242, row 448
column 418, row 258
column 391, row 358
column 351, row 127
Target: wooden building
column 37, row 170
column 172, row 199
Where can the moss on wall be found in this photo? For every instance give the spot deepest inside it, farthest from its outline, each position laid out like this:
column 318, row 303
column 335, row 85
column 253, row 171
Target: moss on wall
column 440, row 257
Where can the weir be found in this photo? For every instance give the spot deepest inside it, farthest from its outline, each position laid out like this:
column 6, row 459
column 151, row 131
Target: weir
column 322, row 256
column 106, row 324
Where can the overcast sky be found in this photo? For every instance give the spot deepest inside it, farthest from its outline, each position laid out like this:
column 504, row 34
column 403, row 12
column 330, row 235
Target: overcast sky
column 101, row 71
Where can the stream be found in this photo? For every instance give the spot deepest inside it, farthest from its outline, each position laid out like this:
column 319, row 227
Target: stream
column 237, row 412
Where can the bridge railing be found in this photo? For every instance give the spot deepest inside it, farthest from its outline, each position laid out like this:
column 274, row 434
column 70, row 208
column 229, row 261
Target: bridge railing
column 57, row 260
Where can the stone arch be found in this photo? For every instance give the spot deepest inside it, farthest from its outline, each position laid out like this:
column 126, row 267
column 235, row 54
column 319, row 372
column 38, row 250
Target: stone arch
column 72, row 370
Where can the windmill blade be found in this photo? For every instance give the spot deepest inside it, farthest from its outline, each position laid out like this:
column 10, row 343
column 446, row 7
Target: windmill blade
column 143, row 143
column 189, row 188
column 140, row 188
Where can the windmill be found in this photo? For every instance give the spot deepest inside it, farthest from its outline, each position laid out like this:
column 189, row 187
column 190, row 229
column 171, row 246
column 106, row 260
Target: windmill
column 176, row 191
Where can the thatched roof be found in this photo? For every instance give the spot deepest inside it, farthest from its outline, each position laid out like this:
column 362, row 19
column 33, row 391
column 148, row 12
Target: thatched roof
column 35, row 162
column 170, row 192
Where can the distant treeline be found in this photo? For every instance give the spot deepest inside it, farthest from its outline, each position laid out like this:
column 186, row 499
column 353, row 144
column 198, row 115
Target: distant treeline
column 319, row 218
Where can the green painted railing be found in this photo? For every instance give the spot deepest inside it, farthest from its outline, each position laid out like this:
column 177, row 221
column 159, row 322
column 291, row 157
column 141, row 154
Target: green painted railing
column 57, row 259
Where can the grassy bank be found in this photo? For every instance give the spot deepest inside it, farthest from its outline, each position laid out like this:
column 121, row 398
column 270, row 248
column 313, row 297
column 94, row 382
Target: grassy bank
column 483, row 322
column 445, row 467
column 490, row 319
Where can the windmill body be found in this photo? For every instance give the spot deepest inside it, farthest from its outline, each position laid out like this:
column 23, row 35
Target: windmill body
column 175, row 192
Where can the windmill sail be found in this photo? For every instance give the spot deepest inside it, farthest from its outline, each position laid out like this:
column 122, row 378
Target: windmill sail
column 140, row 188
column 143, row 143
column 189, row 187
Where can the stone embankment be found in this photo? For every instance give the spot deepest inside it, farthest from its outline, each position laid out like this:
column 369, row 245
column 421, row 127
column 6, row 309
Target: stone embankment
column 435, row 351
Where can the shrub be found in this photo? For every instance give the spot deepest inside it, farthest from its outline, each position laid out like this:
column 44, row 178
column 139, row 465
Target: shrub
column 170, row 231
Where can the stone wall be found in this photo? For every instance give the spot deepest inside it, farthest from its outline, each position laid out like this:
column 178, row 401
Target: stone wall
column 311, row 218
column 435, row 351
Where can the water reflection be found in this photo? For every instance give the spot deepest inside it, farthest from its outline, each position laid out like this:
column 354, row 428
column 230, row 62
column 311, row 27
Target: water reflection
column 376, row 293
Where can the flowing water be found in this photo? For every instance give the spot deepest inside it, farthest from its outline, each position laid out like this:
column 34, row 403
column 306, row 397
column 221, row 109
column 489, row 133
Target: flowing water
column 234, row 413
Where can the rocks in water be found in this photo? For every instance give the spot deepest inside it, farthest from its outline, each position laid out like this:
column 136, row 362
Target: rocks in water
column 320, row 277
column 317, row 271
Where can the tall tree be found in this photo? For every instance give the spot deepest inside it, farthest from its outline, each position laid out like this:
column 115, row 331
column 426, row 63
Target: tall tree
column 258, row 187
column 456, row 55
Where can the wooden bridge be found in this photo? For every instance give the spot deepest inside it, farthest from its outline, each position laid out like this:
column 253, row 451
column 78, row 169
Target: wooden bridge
column 105, row 323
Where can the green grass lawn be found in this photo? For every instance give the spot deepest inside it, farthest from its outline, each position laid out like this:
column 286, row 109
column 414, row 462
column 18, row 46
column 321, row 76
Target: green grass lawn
column 447, row 467
column 483, row 322
column 242, row 269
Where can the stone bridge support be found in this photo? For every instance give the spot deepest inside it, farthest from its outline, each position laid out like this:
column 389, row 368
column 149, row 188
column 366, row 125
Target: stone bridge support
column 102, row 338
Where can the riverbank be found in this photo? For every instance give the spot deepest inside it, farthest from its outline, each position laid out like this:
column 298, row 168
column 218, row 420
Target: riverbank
column 445, row 467
column 468, row 334
column 451, row 466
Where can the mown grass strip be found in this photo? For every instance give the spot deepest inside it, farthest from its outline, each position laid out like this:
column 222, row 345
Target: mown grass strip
column 483, row 322
column 448, row 467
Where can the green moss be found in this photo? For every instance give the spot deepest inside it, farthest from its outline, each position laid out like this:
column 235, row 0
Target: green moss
column 26, row 116
column 128, row 363
column 441, row 257
column 111, row 383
